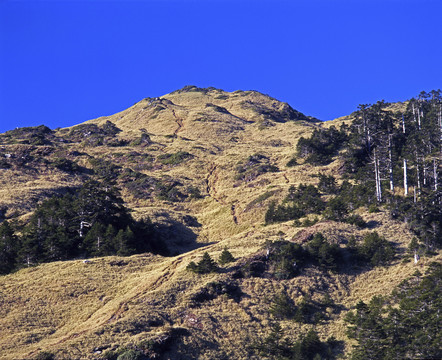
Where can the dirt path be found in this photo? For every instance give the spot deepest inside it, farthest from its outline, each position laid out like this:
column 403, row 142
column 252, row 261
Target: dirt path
column 179, row 122
column 211, row 180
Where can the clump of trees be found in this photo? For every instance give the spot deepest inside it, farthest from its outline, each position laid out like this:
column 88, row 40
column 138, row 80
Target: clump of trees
column 308, row 346
column 285, row 259
column 394, row 158
column 374, row 249
column 390, row 150
column 404, row 325
column 300, row 201
column 322, row 145
column 89, row 221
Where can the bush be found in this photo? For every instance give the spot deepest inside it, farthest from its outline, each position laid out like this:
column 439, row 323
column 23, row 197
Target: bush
column 326, row 255
column 292, row 162
column 356, row 220
column 131, row 355
column 205, row 265
column 254, row 166
column 65, row 165
column 194, row 192
column 376, row 250
column 327, row 184
column 282, row 306
column 282, row 213
column 45, row 355
column 337, row 209
column 301, row 200
column 226, row 257
column 215, row 289
column 175, row 158
column 285, row 259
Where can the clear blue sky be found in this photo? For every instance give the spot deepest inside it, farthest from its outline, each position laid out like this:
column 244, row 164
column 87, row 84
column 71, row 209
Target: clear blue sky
column 64, row 62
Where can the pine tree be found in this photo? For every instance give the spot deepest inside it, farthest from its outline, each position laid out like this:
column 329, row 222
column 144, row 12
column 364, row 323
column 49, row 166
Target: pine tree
column 226, row 257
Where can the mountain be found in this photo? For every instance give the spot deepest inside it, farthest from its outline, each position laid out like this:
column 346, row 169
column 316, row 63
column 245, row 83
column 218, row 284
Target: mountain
column 205, row 166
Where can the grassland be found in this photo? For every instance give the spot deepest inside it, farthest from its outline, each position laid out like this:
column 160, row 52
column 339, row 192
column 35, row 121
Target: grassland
column 76, row 309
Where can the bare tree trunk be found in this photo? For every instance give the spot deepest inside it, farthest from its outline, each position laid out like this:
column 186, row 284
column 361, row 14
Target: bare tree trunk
column 418, row 178
column 435, row 174
column 390, row 165
column 377, row 178
column 403, row 124
column 405, row 178
column 414, row 113
column 419, row 117
column 440, row 126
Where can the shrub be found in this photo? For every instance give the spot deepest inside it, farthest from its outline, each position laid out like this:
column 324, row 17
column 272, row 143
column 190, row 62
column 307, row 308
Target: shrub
column 327, row 184
column 215, row 289
column 326, row 255
column 45, row 355
column 282, row 213
column 292, row 162
column 282, row 306
column 226, row 257
column 205, row 265
column 175, row 158
column 194, row 192
column 131, row 355
column 356, row 220
column 285, row 259
column 337, row 209
column 376, row 249
column 65, row 165
column 373, row 208
column 254, row 166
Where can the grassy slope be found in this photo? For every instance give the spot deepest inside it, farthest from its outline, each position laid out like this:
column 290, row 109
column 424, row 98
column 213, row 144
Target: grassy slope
column 70, row 308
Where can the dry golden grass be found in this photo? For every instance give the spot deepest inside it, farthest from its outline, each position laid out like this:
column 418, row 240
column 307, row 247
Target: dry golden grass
column 70, row 308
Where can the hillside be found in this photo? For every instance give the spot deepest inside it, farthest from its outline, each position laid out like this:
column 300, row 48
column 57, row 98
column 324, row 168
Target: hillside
column 204, row 165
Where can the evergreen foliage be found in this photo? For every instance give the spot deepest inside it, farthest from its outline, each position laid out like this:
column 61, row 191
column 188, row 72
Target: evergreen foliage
column 326, row 255
column 282, row 306
column 323, row 144
column 204, row 266
column 225, row 257
column 89, row 221
column 384, row 150
column 405, row 325
column 8, row 248
column 301, row 200
column 285, row 259
column 376, row 250
column 308, row 346
column 175, row 158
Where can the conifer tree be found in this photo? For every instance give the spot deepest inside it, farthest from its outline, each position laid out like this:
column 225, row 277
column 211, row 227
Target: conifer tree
column 8, row 248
